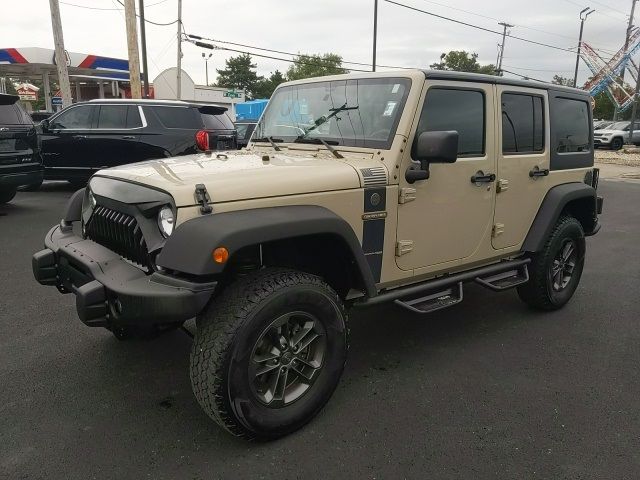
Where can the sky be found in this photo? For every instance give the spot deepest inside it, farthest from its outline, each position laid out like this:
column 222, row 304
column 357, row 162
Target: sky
column 406, row 38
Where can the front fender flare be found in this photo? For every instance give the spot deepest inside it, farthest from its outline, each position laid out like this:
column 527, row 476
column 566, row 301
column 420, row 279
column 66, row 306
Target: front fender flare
column 189, row 248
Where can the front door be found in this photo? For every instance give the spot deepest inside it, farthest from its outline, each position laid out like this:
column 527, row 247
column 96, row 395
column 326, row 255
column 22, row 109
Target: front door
column 523, row 162
column 448, row 217
column 115, row 137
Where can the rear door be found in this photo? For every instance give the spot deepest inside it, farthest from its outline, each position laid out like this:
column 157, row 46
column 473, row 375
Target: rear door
column 65, row 150
column 18, row 139
column 114, row 138
column 523, row 162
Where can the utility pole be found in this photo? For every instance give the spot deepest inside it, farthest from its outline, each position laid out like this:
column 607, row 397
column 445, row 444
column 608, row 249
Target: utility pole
column 634, row 110
column 584, row 13
column 143, row 44
column 179, row 63
column 504, row 37
column 375, row 33
column 626, row 45
column 60, row 56
column 132, row 47
column 206, row 66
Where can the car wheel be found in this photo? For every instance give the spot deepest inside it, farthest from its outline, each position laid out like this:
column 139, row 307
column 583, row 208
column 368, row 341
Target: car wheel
column 616, row 144
column 554, row 272
column 7, row 195
column 269, row 352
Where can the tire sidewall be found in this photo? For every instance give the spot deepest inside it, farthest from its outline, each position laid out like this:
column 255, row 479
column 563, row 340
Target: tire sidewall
column 264, row 421
column 574, row 232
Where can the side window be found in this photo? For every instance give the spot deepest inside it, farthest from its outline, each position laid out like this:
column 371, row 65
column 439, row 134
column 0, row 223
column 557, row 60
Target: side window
column 113, row 116
column 178, row 117
column 460, row 110
column 522, row 123
column 74, row 118
column 133, row 117
column 571, row 125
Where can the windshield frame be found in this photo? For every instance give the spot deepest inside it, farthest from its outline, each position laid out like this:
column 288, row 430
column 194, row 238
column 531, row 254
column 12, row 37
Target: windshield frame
column 340, row 141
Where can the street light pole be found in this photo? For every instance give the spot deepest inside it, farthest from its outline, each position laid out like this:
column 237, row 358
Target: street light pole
column 584, row 13
column 375, row 33
column 206, row 66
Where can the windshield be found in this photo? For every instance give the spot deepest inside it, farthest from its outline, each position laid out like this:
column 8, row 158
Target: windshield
column 357, row 113
column 617, row 126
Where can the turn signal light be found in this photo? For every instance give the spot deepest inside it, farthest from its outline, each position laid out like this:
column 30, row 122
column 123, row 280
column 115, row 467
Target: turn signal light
column 220, row 255
column 202, row 140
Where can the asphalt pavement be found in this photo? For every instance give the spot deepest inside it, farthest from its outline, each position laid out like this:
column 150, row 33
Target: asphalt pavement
column 485, row 390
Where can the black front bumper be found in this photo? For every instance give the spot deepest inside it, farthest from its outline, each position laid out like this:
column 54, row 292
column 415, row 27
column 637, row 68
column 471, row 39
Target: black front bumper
column 109, row 290
column 19, row 179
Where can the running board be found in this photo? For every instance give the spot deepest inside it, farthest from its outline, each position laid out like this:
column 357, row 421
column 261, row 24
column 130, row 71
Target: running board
column 505, row 280
column 440, row 284
column 433, row 301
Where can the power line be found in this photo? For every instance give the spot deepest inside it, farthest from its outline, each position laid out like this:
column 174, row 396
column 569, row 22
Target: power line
column 478, row 27
column 598, row 12
column 149, row 21
column 108, row 9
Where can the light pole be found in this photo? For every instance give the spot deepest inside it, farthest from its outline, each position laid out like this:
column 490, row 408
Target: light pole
column 206, row 66
column 584, row 13
column 375, row 33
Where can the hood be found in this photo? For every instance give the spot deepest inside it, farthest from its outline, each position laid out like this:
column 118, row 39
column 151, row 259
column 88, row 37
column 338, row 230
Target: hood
column 243, row 175
column 610, row 132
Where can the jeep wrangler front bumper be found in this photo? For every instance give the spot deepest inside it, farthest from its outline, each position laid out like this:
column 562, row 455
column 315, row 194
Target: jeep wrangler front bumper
column 111, row 291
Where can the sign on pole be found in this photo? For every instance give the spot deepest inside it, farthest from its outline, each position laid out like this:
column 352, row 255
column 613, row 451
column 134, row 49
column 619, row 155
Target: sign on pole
column 232, row 94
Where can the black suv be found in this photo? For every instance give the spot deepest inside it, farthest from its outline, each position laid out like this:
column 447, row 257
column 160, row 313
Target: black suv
column 89, row 136
column 20, row 162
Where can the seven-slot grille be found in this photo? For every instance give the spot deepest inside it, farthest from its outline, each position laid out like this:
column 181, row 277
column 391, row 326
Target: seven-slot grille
column 118, row 232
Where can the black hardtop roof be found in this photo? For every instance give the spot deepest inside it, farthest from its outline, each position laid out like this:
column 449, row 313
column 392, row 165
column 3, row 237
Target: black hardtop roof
column 481, row 78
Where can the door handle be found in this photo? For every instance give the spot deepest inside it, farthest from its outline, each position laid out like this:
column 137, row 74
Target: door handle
column 481, row 177
column 129, row 137
column 536, row 172
column 81, row 137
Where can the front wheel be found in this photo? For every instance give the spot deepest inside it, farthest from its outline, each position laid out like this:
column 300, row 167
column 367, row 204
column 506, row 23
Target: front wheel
column 269, row 352
column 616, row 144
column 7, row 195
column 554, row 272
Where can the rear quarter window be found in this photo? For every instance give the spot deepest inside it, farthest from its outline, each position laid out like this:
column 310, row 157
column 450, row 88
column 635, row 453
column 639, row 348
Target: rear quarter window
column 178, row 117
column 571, row 131
column 10, row 115
column 217, row 122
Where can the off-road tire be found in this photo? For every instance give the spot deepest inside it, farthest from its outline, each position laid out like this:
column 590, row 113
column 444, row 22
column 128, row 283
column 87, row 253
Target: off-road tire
column 232, row 324
column 538, row 292
column 7, row 195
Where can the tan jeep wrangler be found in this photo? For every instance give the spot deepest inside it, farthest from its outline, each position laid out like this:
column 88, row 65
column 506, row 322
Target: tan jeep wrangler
column 355, row 190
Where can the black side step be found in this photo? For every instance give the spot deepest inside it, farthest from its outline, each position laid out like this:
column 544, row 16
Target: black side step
column 505, row 280
column 440, row 283
column 434, row 301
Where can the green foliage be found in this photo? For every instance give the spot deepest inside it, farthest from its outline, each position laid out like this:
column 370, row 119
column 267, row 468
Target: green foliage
column 239, row 73
column 462, row 61
column 604, row 107
column 265, row 87
column 307, row 66
column 560, row 80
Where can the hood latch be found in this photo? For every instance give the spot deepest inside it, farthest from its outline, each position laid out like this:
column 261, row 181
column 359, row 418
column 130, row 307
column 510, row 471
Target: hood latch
column 202, row 197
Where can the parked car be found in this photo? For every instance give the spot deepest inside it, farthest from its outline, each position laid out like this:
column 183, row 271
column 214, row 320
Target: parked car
column 245, row 128
column 20, row 161
column 86, row 137
column 398, row 189
column 616, row 135
column 38, row 116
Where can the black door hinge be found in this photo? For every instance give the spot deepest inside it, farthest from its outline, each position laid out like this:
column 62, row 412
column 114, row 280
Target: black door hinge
column 202, row 197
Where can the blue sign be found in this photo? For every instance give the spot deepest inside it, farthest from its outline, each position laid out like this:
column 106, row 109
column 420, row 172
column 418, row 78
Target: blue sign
column 56, row 100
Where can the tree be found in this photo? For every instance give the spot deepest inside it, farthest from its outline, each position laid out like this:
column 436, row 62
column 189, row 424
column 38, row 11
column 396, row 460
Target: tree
column 462, row 61
column 560, row 80
column 306, row 66
column 604, row 107
column 265, row 88
column 239, row 73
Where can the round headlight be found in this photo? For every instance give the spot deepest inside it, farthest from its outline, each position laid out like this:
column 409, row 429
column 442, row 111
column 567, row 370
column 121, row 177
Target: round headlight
column 166, row 220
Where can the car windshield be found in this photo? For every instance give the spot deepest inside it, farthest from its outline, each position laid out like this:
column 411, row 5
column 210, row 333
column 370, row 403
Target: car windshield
column 359, row 113
column 617, row 126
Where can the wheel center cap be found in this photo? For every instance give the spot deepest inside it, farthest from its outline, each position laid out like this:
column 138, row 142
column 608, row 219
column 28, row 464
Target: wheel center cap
column 287, row 357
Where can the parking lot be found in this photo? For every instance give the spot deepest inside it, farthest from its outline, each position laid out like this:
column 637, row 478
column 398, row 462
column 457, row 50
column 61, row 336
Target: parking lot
column 486, row 389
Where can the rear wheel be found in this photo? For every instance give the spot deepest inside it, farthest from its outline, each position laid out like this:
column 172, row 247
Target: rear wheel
column 269, row 352
column 7, row 195
column 556, row 270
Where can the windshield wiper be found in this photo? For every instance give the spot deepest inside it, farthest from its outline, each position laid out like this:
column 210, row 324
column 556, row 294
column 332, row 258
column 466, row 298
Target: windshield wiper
column 272, row 141
column 323, row 142
column 325, row 118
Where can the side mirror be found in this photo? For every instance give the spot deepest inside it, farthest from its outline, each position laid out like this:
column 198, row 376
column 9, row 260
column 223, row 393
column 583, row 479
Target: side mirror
column 44, row 124
column 432, row 147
